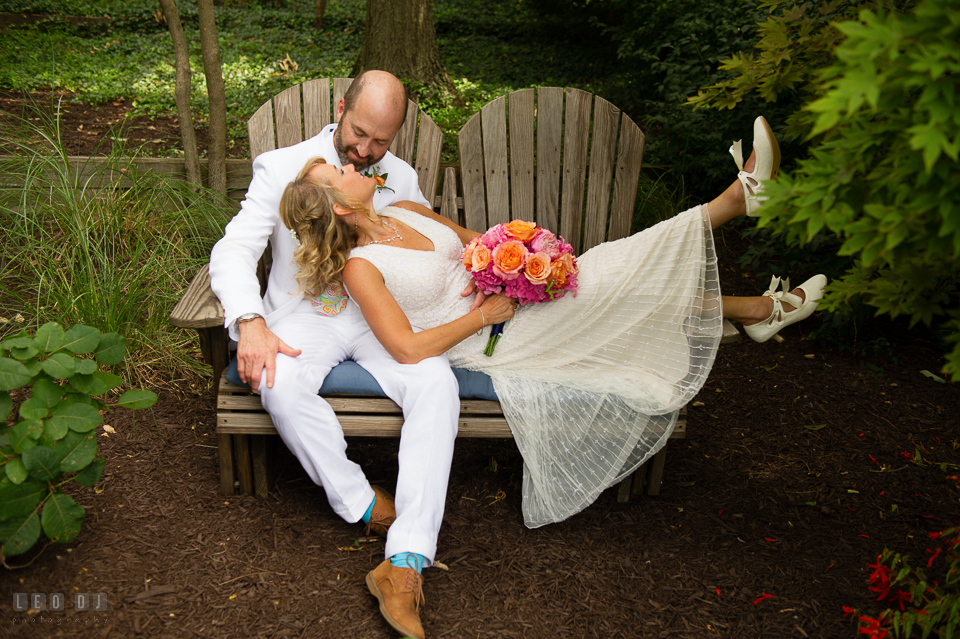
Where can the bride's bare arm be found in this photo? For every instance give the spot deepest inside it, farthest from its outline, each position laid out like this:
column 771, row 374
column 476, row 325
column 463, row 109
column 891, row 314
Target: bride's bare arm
column 391, row 326
column 465, row 235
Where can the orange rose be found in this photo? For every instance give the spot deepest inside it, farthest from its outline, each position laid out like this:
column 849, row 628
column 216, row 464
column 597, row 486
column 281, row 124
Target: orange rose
column 467, row 258
column 537, row 269
column 481, row 257
column 523, row 231
column 569, row 263
column 558, row 272
column 508, row 259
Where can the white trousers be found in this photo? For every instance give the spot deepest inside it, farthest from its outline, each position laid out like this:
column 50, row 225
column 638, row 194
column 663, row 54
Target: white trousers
column 427, row 392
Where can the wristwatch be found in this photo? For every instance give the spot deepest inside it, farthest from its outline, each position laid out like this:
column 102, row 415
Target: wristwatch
column 246, row 317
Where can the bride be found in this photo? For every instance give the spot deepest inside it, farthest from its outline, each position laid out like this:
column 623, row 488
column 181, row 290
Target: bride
column 590, row 385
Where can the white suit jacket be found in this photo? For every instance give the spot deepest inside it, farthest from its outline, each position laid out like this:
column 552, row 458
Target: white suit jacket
column 233, row 261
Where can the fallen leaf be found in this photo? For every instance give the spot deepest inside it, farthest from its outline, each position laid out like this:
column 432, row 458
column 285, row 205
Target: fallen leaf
column 935, row 378
column 815, row 426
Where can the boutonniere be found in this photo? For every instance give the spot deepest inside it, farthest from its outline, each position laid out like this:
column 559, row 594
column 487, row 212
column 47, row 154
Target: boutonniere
column 381, row 179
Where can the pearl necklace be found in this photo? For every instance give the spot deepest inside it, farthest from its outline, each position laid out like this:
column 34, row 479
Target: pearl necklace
column 396, row 233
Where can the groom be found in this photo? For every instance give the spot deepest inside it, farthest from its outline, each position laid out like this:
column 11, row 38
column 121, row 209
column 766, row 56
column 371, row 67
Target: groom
column 287, row 345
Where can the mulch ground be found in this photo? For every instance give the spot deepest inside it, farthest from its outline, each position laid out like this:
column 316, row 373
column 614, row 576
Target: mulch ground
column 798, row 470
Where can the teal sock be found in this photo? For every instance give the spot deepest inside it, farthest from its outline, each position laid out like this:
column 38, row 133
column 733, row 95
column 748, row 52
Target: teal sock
column 408, row 560
column 366, row 515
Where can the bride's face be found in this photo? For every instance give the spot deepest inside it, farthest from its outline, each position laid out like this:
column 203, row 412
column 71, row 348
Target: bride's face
column 346, row 180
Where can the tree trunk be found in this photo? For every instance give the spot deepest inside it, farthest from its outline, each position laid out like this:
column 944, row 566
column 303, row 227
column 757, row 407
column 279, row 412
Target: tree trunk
column 217, row 149
column 399, row 37
column 318, row 10
column 188, row 136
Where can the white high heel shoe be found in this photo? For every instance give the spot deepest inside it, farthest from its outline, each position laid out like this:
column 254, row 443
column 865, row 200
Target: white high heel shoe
column 779, row 318
column 767, row 167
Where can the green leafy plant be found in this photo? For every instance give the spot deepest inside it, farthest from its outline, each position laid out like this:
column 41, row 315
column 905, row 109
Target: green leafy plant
column 914, row 600
column 51, row 440
column 795, row 43
column 100, row 242
column 883, row 180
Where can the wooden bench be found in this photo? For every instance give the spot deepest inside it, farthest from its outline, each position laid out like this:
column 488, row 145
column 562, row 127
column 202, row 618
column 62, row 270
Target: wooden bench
column 561, row 157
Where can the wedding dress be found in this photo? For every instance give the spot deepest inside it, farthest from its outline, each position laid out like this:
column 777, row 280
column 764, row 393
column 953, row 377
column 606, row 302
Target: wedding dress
column 590, row 385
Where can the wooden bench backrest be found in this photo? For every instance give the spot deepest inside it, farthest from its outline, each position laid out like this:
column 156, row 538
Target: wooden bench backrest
column 301, row 112
column 563, row 158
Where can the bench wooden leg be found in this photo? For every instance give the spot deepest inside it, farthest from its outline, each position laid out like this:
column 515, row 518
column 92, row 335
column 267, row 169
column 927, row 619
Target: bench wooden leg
column 225, row 445
column 639, row 479
column 623, row 491
column 244, row 466
column 263, row 448
column 656, row 472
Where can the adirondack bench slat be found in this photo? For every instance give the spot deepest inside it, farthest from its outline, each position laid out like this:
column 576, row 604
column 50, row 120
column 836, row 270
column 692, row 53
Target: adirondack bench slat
column 471, row 174
column 603, row 148
column 316, row 106
column 260, row 131
column 494, row 126
column 549, row 135
column 427, row 159
column 286, row 108
column 520, row 111
column 403, row 143
column 629, row 163
column 575, row 139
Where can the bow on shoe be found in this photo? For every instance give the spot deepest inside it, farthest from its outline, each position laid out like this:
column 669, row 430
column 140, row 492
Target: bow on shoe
column 752, row 186
column 781, row 296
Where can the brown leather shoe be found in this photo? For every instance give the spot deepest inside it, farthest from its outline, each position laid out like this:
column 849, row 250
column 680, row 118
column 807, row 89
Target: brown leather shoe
column 400, row 592
column 384, row 513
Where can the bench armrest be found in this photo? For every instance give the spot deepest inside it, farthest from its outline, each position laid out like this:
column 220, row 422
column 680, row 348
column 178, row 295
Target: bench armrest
column 199, row 307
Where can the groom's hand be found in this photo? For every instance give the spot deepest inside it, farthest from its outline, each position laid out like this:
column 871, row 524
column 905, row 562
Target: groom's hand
column 256, row 350
column 470, row 290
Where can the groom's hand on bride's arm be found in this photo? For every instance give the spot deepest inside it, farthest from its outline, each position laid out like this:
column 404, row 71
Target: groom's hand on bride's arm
column 256, row 350
column 470, row 290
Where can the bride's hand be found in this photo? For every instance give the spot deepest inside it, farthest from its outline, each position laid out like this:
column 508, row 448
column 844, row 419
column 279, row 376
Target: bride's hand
column 498, row 308
column 470, row 290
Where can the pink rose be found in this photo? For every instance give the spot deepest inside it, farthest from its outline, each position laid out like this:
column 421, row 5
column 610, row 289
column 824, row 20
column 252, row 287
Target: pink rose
column 496, row 235
column 546, row 242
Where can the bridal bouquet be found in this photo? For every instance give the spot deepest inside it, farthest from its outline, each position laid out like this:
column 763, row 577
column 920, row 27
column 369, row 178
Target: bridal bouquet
column 522, row 261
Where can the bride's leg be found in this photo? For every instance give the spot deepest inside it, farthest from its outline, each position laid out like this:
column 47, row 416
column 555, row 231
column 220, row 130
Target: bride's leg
column 750, row 310
column 732, row 202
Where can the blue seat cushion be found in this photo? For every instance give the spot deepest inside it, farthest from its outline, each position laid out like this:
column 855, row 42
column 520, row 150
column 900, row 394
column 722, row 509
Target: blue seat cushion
column 351, row 378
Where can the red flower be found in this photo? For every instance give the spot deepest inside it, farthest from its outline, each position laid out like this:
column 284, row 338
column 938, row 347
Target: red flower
column 880, row 579
column 932, row 557
column 762, row 597
column 873, row 628
column 935, row 535
column 847, row 611
column 899, row 598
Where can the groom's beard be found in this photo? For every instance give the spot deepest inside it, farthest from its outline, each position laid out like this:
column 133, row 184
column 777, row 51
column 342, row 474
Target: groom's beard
column 343, row 153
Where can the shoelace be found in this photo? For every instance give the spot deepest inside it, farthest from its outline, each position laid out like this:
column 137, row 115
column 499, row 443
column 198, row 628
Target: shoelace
column 377, row 519
column 414, row 583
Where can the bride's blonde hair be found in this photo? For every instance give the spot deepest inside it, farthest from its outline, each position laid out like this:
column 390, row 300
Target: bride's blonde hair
column 306, row 208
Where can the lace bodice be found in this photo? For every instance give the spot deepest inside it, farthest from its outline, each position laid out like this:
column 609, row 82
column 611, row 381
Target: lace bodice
column 426, row 284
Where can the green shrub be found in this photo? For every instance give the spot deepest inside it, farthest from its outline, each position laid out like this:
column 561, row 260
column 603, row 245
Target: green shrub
column 883, row 180
column 101, row 243
column 52, row 440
